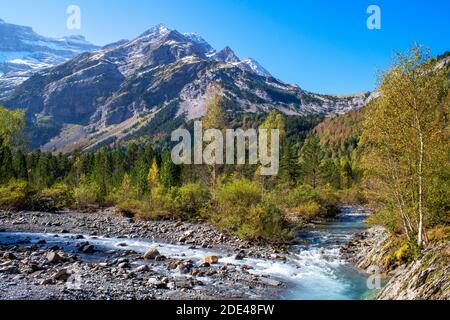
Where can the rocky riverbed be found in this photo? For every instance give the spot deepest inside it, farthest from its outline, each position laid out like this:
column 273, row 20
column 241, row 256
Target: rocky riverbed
column 105, row 255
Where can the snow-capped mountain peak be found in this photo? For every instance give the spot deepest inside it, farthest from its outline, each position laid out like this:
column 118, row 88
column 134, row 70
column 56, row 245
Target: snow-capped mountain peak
column 23, row 52
column 195, row 37
column 254, row 66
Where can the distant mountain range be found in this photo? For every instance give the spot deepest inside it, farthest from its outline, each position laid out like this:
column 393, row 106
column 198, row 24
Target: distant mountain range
column 23, row 52
column 77, row 95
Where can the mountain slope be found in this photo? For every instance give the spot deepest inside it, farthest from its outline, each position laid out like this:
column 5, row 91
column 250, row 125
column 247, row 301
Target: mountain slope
column 23, row 52
column 163, row 77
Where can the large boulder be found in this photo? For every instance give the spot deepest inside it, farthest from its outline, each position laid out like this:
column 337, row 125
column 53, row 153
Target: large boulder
column 151, row 254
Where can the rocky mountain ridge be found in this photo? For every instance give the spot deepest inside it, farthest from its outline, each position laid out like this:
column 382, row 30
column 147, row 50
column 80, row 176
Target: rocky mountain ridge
column 162, row 76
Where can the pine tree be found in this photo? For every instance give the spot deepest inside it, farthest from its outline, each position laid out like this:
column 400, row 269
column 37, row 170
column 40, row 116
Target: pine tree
column 289, row 166
column 6, row 165
column 20, row 166
column 311, row 157
column 168, row 173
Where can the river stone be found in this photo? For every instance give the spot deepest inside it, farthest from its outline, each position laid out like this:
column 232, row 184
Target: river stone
column 211, row 259
column 9, row 270
column 9, row 256
column 46, row 282
column 54, row 257
column 271, row 282
column 88, row 249
column 240, row 256
column 143, row 268
column 155, row 283
column 62, row 275
column 151, row 254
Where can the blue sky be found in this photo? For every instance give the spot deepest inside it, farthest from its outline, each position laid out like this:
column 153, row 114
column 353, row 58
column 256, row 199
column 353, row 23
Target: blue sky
column 323, row 46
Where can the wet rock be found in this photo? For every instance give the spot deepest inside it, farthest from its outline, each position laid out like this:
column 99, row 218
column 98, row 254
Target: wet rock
column 211, row 259
column 246, row 267
column 124, row 265
column 151, row 254
column 88, row 249
column 122, row 244
column 9, row 256
column 240, row 256
column 42, row 241
column 271, row 282
column 184, row 269
column 143, row 268
column 278, row 257
column 173, row 265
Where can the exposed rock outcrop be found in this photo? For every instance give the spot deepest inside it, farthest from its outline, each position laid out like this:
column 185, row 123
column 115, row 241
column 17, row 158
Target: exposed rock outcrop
column 426, row 278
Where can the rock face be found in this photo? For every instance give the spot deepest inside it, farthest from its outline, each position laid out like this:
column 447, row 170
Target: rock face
column 150, row 85
column 425, row 279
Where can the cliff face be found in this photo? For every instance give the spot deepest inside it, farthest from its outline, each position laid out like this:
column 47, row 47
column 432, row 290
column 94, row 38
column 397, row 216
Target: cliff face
column 426, row 278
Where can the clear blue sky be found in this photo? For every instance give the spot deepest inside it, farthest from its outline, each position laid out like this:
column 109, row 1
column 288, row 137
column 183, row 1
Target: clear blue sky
column 322, row 45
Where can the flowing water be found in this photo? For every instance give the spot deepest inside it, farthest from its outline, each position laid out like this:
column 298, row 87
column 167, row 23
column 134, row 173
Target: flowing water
column 313, row 270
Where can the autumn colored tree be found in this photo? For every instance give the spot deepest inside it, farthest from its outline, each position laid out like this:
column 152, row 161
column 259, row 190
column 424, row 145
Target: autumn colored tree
column 215, row 119
column 153, row 175
column 406, row 141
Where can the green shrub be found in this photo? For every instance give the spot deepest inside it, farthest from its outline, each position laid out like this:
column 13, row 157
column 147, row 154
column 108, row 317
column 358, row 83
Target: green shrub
column 191, row 199
column 14, row 195
column 305, row 203
column 140, row 209
column 58, row 197
column 87, row 195
column 240, row 208
column 162, row 203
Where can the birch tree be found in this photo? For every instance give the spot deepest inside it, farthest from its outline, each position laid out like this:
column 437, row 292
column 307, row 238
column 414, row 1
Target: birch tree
column 406, row 139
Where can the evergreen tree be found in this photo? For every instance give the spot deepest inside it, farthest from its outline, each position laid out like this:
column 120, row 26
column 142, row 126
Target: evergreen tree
column 169, row 171
column 20, row 166
column 289, row 166
column 311, row 157
column 6, row 165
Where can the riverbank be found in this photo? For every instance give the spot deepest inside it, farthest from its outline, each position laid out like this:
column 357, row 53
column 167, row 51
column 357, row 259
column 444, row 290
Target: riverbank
column 104, row 252
column 426, row 278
